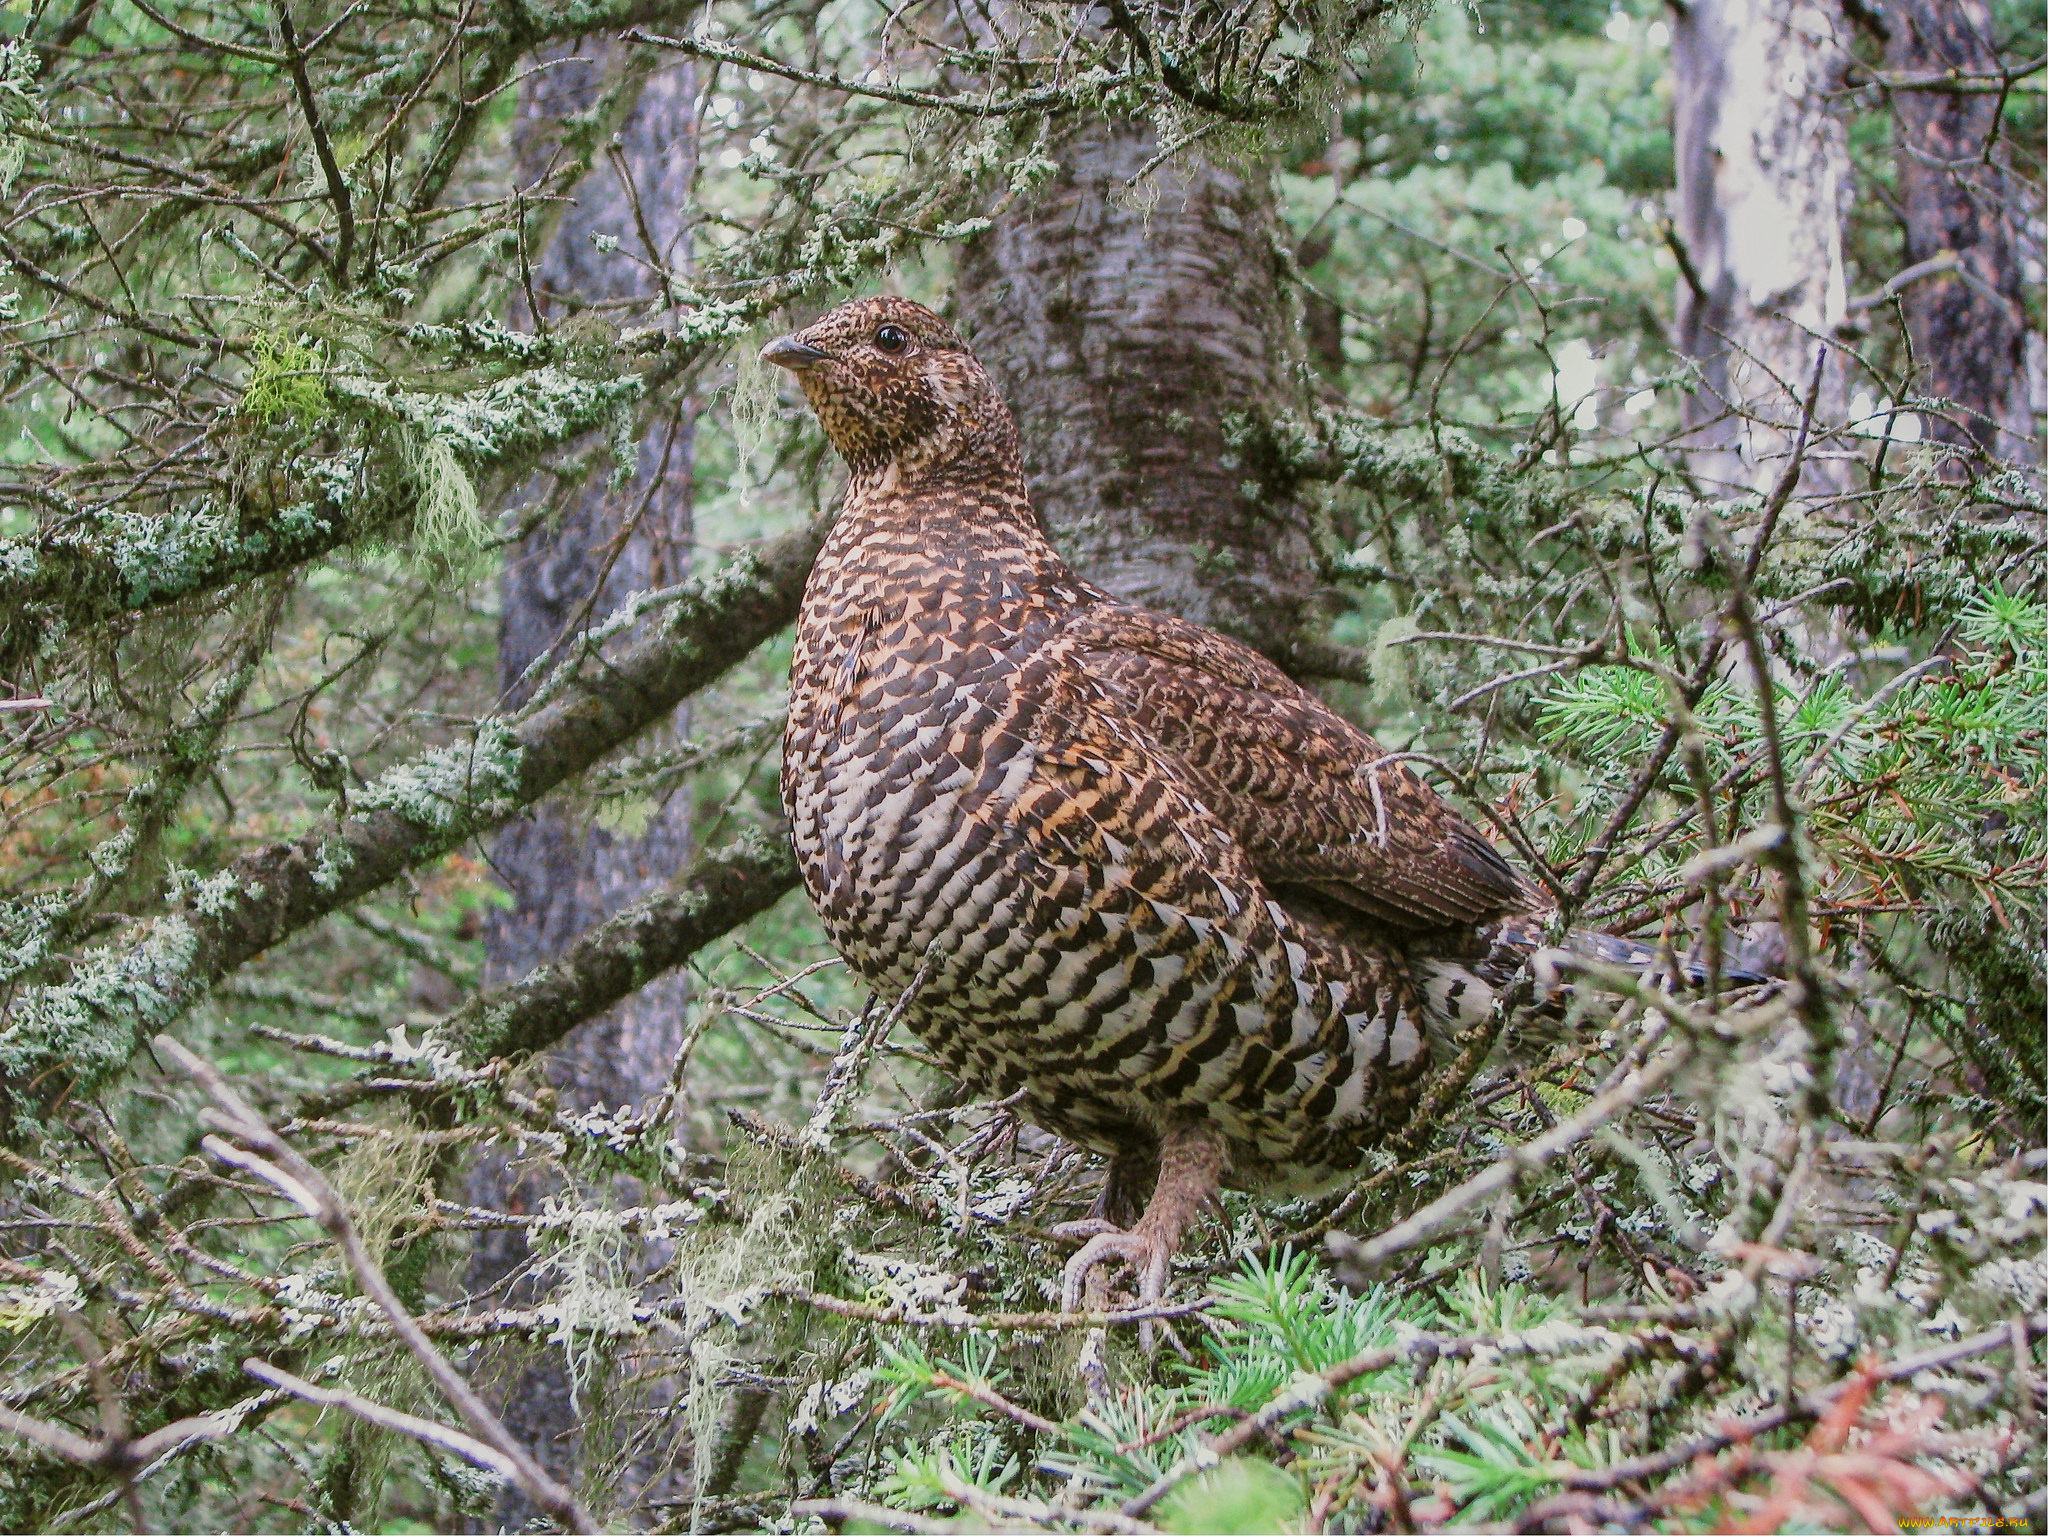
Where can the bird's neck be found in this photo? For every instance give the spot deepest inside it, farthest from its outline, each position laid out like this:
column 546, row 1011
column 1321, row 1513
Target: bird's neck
column 952, row 519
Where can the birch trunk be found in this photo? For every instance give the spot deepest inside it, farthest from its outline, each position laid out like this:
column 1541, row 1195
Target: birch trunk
column 565, row 874
column 1969, row 326
column 1127, row 332
column 1763, row 174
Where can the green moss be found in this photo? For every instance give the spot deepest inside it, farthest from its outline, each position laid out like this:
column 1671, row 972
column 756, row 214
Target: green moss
column 1254, row 1497
column 285, row 380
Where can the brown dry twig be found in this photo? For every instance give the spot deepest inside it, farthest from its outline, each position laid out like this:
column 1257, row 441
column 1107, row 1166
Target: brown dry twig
column 278, row 1164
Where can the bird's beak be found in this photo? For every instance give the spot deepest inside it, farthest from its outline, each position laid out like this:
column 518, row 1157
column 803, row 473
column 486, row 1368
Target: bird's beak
column 788, row 352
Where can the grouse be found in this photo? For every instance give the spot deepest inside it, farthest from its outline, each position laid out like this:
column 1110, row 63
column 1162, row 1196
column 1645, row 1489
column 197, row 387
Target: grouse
column 1115, row 864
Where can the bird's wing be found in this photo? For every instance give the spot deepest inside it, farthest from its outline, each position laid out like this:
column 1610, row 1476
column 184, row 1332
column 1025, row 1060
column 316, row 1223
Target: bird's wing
column 1174, row 977
column 1294, row 781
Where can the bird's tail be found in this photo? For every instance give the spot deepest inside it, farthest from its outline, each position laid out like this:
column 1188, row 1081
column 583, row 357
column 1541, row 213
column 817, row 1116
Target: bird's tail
column 1741, row 966
column 1459, row 984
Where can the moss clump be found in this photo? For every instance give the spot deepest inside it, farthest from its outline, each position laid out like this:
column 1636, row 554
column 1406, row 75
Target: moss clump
column 286, row 381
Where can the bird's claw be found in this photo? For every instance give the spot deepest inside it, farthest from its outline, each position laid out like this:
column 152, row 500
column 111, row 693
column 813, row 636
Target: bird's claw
column 1080, row 1231
column 1147, row 1256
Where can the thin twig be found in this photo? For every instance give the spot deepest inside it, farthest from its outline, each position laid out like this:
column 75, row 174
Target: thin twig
column 337, row 184
column 281, row 1166
column 990, row 1322
column 1813, row 1406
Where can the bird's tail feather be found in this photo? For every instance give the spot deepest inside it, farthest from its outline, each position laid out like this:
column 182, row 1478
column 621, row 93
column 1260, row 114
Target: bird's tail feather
column 1459, row 988
column 1737, row 968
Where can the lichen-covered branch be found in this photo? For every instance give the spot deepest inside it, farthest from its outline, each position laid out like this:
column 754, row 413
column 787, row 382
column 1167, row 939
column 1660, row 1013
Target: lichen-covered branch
column 71, row 1034
column 717, row 893
column 281, row 1165
column 92, row 565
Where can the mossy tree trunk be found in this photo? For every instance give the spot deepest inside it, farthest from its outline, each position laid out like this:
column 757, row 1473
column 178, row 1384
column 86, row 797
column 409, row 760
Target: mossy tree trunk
column 1132, row 326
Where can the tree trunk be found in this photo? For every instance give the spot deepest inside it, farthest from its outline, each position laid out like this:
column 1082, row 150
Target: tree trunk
column 565, row 874
column 1127, row 336
column 1968, row 326
column 1763, row 180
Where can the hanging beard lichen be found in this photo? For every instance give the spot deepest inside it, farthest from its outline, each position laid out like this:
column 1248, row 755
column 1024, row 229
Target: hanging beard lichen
column 448, row 526
column 752, row 406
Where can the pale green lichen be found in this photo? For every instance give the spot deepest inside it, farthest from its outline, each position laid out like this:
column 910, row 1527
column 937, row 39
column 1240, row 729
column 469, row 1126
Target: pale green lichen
column 167, row 556
column 713, row 322
column 213, row 895
column 334, row 860
column 444, row 437
column 20, row 560
column 89, row 1024
column 485, row 338
column 25, row 928
column 441, row 1064
column 452, row 789
column 22, row 1306
column 510, row 416
column 752, row 407
column 443, row 440
column 20, row 101
column 448, row 523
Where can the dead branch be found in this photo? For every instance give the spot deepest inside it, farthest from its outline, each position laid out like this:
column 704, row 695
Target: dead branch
column 277, row 1163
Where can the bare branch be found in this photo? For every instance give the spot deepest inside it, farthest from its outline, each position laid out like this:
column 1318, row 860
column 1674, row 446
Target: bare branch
column 423, row 1430
column 282, row 1166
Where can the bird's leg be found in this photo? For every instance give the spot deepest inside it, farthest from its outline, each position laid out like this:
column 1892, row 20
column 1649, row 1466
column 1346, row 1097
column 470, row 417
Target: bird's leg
column 1191, row 1160
column 1130, row 1176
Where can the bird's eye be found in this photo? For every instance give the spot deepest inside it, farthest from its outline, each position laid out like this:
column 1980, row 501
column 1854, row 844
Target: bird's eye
column 892, row 338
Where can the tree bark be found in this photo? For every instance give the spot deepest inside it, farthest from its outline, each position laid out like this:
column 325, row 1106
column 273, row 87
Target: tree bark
column 1763, row 182
column 566, row 875
column 1130, row 330
column 1968, row 326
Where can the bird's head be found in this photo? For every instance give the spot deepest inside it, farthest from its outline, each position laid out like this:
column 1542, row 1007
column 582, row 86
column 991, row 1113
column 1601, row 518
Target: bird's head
column 896, row 389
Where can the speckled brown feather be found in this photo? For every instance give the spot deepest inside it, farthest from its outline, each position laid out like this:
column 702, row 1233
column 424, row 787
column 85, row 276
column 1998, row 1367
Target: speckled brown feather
column 1297, row 782
column 1146, row 879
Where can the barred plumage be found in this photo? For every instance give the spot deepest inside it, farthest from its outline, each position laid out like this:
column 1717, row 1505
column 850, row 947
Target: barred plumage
column 1134, row 872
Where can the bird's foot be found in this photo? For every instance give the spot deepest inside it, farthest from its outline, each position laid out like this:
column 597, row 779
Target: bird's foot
column 1142, row 1248
column 1190, row 1160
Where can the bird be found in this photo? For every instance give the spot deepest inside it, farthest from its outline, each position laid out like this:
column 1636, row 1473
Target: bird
column 1116, row 867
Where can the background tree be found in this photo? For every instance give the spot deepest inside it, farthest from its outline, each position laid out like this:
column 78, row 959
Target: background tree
column 1135, row 314
column 1763, row 169
column 595, row 538
column 1968, row 220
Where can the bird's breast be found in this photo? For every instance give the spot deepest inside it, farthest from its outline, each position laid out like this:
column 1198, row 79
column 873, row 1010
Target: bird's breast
column 974, row 815
column 903, row 749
